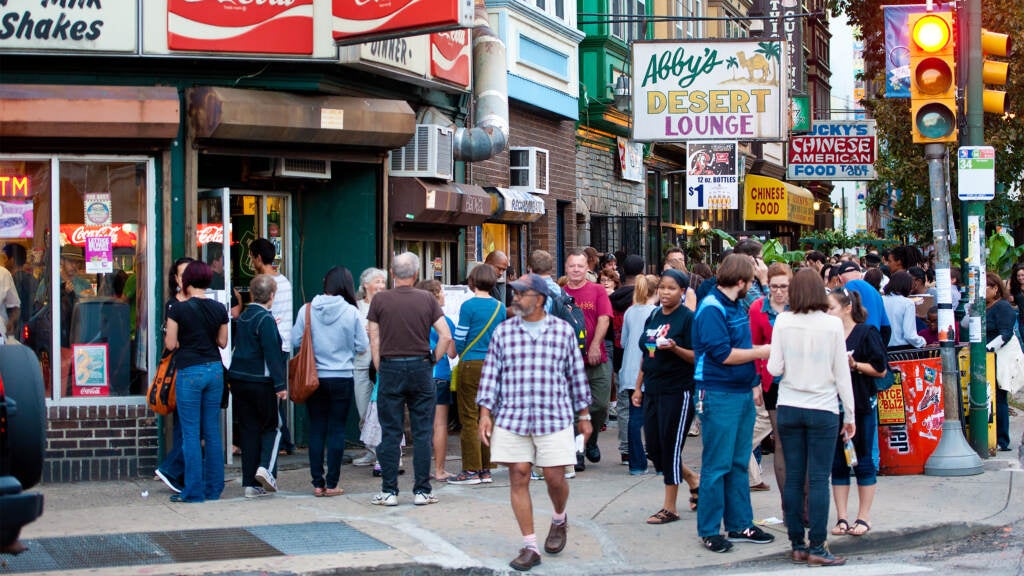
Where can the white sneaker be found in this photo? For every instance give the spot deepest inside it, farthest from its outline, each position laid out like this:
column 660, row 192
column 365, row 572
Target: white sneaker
column 423, row 498
column 536, row 474
column 570, row 472
column 386, row 499
column 365, row 460
column 255, row 492
column 266, row 479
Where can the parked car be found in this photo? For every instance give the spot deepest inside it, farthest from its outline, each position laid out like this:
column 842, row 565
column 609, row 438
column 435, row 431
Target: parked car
column 22, row 442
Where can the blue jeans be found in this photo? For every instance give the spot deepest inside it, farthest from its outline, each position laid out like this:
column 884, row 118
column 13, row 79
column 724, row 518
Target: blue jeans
column 328, row 411
column 173, row 466
column 198, row 389
column 727, row 428
column 810, row 440
column 406, row 384
column 637, row 454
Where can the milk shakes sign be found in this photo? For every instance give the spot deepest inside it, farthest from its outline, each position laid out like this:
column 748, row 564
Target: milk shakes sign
column 701, row 90
column 834, row 150
column 92, row 25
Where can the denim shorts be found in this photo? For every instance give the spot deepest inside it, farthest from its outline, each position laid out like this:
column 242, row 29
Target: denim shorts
column 444, row 391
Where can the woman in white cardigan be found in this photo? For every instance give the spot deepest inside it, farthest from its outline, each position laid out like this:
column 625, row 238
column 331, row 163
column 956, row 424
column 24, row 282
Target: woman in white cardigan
column 901, row 312
column 809, row 353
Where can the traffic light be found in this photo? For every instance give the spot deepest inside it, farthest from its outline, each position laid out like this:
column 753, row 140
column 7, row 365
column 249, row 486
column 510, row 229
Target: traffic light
column 993, row 72
column 932, row 77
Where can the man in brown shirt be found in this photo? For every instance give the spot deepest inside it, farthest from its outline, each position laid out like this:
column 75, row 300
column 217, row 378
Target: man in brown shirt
column 399, row 324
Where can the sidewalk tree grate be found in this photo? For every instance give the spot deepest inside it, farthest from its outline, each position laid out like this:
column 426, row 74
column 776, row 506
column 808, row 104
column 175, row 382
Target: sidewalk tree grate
column 135, row 549
column 317, row 538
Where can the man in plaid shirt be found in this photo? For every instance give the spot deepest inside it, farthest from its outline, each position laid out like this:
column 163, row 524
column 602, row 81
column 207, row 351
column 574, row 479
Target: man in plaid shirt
column 532, row 381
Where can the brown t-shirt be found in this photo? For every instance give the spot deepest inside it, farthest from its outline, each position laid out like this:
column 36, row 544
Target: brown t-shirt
column 405, row 315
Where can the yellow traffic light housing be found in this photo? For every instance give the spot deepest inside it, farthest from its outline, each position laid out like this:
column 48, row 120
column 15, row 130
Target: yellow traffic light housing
column 993, row 72
column 932, row 77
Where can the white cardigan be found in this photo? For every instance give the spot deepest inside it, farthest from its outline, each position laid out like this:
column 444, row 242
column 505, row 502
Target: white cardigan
column 809, row 352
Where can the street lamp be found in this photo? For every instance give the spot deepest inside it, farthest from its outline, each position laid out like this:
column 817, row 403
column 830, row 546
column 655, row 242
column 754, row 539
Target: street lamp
column 622, row 99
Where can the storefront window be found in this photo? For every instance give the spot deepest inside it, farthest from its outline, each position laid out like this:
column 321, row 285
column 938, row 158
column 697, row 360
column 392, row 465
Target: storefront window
column 87, row 320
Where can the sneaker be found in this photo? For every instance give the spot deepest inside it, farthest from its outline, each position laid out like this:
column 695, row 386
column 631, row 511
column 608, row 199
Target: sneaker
column 385, row 499
column 821, row 556
column 166, row 480
column 424, row 498
column 643, row 472
column 624, row 459
column 465, row 478
column 593, row 454
column 570, row 472
column 580, row 464
column 754, row 535
column 537, row 475
column 255, row 492
column 717, row 543
column 365, row 460
column 266, row 479
column 485, row 477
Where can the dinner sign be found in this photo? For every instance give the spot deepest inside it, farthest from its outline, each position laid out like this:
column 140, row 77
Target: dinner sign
column 705, row 90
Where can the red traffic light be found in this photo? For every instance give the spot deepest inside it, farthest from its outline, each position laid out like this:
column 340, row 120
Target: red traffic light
column 931, row 33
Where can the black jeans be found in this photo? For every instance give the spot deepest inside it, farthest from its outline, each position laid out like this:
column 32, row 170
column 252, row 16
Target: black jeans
column 328, row 411
column 258, row 432
column 406, row 383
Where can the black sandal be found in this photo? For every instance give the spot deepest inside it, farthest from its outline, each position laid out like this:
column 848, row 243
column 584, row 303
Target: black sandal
column 842, row 527
column 662, row 517
column 694, row 492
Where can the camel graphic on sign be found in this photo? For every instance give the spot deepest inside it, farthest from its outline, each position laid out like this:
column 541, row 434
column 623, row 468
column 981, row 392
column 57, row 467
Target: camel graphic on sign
column 753, row 64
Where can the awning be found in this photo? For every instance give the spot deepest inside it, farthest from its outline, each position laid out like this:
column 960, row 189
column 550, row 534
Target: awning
column 237, row 115
column 50, row 111
column 771, row 200
column 514, row 206
column 425, row 201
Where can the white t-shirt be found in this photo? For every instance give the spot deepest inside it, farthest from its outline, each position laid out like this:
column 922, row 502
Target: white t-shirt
column 282, row 311
column 8, row 299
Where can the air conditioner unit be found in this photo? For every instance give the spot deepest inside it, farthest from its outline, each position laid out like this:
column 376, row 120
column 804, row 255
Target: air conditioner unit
column 528, row 169
column 262, row 167
column 430, row 154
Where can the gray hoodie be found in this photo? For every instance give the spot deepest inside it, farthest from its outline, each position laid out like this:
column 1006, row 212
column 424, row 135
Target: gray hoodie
column 337, row 335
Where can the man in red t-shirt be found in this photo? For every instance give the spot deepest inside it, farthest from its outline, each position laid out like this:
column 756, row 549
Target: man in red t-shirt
column 597, row 312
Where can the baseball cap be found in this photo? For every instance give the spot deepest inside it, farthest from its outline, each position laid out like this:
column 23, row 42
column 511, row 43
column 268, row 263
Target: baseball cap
column 530, row 282
column 847, row 266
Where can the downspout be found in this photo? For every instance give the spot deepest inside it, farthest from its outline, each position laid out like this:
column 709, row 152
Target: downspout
column 489, row 135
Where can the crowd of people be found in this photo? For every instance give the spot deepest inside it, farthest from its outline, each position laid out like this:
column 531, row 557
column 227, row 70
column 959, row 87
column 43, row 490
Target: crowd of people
column 747, row 356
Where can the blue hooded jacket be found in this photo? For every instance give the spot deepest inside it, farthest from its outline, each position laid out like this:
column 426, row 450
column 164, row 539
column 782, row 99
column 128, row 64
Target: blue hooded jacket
column 720, row 325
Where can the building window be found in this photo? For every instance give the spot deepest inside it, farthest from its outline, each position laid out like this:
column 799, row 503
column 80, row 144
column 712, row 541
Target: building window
column 555, row 9
column 88, row 318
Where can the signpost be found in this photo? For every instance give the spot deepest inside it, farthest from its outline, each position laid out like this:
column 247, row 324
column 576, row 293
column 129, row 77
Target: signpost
column 976, row 169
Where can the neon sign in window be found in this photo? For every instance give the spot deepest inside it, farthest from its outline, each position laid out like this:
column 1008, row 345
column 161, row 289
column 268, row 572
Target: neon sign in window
column 14, row 187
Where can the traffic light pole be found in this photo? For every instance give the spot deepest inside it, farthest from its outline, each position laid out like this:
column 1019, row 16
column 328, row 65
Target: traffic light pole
column 953, row 456
column 973, row 254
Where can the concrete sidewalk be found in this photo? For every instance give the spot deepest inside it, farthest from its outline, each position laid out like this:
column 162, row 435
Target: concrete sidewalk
column 472, row 527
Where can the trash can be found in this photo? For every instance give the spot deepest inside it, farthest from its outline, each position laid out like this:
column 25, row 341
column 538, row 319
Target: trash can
column 910, row 414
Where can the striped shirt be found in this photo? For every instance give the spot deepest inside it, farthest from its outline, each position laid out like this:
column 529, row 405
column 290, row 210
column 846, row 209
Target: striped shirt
column 533, row 381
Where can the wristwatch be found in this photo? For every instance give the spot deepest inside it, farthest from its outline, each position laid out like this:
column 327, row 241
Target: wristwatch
column 585, row 418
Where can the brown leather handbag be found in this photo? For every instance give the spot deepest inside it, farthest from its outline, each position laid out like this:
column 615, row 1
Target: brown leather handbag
column 302, row 376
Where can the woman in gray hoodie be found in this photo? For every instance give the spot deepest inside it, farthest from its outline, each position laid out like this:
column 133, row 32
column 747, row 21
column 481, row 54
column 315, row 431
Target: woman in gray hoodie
column 337, row 337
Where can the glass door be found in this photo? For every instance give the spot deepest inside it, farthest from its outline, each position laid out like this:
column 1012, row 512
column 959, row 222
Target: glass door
column 258, row 215
column 212, row 228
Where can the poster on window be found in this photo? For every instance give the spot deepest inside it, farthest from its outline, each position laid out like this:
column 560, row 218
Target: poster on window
column 16, row 219
column 97, row 209
column 92, row 372
column 99, row 255
column 712, row 180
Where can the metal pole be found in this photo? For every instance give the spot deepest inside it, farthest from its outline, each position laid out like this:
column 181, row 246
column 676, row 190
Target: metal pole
column 974, row 233
column 953, row 456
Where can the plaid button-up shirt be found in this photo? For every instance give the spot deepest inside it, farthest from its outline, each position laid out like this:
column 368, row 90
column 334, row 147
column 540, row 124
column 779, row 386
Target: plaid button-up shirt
column 533, row 383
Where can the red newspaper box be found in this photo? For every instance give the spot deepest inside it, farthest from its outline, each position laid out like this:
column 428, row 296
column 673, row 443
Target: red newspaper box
column 910, row 414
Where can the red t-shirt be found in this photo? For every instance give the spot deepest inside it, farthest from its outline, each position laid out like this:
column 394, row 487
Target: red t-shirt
column 593, row 300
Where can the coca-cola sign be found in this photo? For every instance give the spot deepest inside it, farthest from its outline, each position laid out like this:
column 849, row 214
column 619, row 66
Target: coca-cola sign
column 363, row 20
column 206, row 233
column 264, row 26
column 124, row 235
column 450, row 55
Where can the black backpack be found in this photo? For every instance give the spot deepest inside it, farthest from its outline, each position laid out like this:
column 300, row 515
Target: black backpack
column 564, row 307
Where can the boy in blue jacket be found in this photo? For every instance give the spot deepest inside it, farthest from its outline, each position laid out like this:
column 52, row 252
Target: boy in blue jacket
column 257, row 377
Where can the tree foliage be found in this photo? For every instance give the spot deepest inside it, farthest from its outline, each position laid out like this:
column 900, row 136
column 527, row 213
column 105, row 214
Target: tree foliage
column 901, row 165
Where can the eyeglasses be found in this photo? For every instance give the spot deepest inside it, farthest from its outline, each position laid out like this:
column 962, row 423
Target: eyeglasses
column 778, row 287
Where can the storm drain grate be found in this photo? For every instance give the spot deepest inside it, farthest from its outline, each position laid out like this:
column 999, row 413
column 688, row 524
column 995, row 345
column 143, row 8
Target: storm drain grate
column 317, row 538
column 104, row 550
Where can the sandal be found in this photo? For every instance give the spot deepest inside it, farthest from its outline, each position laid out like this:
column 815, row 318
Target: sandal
column 859, row 528
column 443, row 478
column 662, row 517
column 841, row 528
column 328, row 492
column 319, row 492
column 694, row 492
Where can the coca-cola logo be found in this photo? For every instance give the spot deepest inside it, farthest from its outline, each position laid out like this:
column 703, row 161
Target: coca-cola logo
column 450, row 43
column 244, row 3
column 369, row 9
column 206, row 233
column 235, row 13
column 81, row 233
column 76, row 234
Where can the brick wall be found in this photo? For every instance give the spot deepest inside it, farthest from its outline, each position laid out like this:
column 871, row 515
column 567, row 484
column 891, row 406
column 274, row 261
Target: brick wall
column 600, row 184
column 557, row 135
column 99, row 443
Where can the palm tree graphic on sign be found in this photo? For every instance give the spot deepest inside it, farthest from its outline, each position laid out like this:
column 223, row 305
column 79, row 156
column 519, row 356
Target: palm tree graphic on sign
column 772, row 51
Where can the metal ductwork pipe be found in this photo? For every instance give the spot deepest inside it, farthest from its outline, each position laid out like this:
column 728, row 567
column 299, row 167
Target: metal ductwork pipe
column 489, row 136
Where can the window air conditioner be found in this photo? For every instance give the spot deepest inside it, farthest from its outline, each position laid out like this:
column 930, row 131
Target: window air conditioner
column 430, row 154
column 528, row 169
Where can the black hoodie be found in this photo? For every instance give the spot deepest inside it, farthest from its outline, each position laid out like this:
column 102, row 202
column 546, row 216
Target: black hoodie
column 622, row 299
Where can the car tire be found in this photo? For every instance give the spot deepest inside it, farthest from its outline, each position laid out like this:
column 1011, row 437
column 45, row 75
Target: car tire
column 23, row 383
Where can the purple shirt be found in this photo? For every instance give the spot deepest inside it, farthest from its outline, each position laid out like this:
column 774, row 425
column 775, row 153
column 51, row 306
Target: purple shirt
column 533, row 383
